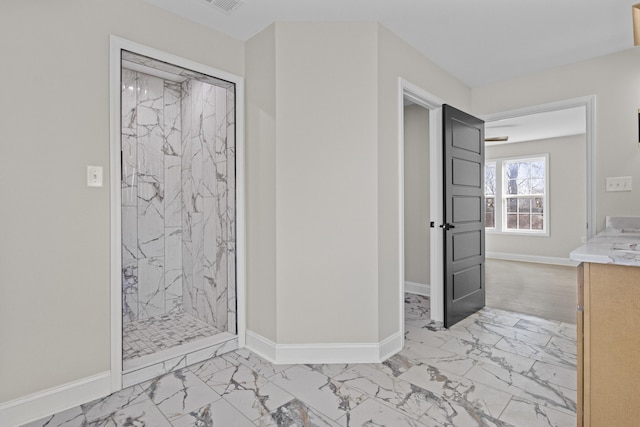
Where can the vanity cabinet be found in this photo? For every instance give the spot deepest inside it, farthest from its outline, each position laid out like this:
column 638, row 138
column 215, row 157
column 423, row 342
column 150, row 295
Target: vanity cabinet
column 608, row 345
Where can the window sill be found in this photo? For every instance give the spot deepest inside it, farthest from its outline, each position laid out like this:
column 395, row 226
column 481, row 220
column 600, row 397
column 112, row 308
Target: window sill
column 517, row 233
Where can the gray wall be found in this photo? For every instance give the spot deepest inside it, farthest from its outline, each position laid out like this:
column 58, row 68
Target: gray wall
column 397, row 60
column 54, row 116
column 613, row 79
column 416, row 195
column 55, row 245
column 566, row 198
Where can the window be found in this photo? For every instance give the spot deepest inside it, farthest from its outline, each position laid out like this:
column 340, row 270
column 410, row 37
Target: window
column 490, row 194
column 516, row 195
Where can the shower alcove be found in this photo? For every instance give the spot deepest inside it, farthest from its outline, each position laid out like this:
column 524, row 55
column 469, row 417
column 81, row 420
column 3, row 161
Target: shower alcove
column 178, row 217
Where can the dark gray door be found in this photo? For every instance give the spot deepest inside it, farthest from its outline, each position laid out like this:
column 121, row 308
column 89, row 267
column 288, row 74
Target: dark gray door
column 463, row 138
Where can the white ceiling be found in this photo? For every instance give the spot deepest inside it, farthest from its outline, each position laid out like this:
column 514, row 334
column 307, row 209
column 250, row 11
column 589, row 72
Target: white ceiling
column 553, row 124
column 478, row 41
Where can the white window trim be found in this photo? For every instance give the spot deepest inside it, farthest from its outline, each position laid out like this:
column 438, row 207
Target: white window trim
column 500, row 207
column 496, row 220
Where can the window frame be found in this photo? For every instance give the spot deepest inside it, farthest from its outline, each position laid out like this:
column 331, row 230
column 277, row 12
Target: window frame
column 500, row 205
column 496, row 213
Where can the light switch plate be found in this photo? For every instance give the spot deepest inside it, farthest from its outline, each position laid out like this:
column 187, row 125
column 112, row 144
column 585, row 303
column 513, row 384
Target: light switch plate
column 94, row 176
column 620, row 183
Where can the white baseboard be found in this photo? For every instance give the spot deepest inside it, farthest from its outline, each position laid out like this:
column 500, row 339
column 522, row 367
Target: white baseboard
column 532, row 258
column 323, row 353
column 417, row 288
column 39, row 405
column 391, row 346
column 260, row 345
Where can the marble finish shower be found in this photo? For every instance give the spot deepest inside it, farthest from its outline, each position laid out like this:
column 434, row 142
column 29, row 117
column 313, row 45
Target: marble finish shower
column 178, row 205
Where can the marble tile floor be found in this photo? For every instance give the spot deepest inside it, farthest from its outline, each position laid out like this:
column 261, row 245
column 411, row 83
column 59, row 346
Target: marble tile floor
column 496, row 368
column 148, row 336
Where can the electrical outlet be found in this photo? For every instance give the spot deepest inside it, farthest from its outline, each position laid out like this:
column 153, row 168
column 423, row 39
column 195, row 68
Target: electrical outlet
column 620, row 183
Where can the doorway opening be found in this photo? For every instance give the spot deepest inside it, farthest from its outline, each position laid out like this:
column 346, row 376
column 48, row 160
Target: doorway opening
column 417, row 246
column 416, row 199
column 177, row 217
column 531, row 230
column 414, row 94
column 425, row 191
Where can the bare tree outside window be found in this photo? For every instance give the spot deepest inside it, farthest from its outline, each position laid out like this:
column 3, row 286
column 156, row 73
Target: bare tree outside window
column 516, row 190
column 524, row 195
column 490, row 194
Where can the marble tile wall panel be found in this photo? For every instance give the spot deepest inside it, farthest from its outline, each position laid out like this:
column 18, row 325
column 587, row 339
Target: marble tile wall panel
column 150, row 136
column 143, row 209
column 187, row 214
column 129, row 198
column 150, row 219
column 221, row 125
column 172, row 150
column 210, row 283
column 129, row 264
column 222, row 299
column 172, row 119
column 224, row 302
column 205, row 305
column 197, row 141
column 187, row 114
column 231, row 290
column 129, row 218
column 150, row 124
column 151, row 299
column 205, row 194
column 209, row 126
column 197, row 241
column 231, row 125
column 173, row 305
column 173, row 269
column 231, row 210
column 129, row 168
column 178, row 199
column 188, row 291
column 173, row 191
column 129, row 138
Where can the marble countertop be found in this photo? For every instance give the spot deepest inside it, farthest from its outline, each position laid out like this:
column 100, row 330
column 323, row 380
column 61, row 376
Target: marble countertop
column 618, row 244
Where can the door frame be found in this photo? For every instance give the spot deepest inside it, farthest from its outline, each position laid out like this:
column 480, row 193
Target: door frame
column 117, row 44
column 433, row 104
column 589, row 102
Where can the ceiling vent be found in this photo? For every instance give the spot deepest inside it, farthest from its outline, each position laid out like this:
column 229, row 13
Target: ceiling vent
column 225, row 6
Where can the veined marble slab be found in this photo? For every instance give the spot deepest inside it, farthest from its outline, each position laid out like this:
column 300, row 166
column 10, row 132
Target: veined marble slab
column 618, row 244
column 178, row 194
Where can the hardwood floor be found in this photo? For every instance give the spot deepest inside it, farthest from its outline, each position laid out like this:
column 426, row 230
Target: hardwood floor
column 543, row 290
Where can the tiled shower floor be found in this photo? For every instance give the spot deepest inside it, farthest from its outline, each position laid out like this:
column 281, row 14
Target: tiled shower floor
column 160, row 333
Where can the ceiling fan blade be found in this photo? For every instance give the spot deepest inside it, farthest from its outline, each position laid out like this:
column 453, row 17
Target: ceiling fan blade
column 497, row 139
